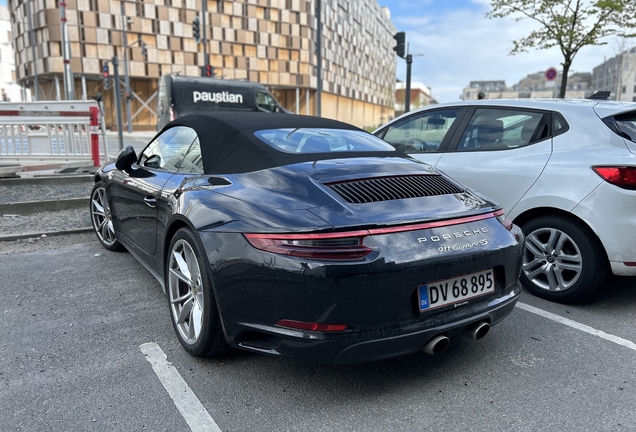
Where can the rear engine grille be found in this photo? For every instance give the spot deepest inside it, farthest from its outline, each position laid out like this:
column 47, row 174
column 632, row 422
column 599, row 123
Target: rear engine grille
column 393, row 188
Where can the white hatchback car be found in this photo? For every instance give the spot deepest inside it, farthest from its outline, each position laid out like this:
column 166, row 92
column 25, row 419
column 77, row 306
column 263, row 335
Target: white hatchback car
column 565, row 171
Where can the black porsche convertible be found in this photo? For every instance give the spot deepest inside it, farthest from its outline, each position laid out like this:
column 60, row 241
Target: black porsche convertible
column 308, row 238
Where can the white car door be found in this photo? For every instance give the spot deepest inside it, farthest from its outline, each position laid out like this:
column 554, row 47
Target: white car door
column 501, row 153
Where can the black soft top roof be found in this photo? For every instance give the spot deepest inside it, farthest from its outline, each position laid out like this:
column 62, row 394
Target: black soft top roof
column 229, row 146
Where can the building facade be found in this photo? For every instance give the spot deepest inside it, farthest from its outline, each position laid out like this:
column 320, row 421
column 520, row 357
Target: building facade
column 420, row 96
column 617, row 75
column 268, row 41
column 534, row 85
column 10, row 90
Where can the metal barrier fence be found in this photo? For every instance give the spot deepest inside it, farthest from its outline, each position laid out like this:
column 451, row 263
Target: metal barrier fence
column 50, row 132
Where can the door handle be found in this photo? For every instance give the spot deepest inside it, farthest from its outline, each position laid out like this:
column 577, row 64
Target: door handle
column 150, row 201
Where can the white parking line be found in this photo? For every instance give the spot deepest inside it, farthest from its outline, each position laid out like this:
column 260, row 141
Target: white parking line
column 183, row 397
column 578, row 326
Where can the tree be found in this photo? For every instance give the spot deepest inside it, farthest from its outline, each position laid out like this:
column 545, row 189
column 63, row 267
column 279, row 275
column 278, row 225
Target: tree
column 568, row 24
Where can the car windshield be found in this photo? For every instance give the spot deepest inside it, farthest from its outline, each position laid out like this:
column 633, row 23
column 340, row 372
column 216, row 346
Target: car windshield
column 317, row 140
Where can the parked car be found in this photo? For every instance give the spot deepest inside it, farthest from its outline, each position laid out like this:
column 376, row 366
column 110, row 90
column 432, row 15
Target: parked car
column 564, row 170
column 308, row 238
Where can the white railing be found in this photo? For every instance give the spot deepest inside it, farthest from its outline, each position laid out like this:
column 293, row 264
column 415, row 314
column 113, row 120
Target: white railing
column 48, row 132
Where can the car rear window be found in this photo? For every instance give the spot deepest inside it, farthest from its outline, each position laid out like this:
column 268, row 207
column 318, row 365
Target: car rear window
column 316, row 140
column 626, row 124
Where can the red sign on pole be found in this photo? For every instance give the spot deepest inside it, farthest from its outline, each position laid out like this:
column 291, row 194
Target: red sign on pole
column 94, row 127
column 551, row 74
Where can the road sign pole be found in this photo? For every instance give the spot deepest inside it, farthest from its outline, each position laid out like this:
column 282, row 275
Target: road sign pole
column 407, row 96
column 117, row 89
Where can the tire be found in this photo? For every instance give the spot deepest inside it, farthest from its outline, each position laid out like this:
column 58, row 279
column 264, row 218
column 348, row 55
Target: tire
column 101, row 219
column 192, row 305
column 563, row 260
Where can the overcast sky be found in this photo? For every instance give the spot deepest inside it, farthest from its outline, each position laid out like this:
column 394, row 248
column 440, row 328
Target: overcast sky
column 461, row 45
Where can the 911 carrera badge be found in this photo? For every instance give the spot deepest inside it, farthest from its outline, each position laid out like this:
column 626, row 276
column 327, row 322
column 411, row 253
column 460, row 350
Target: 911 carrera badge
column 481, row 242
column 454, row 236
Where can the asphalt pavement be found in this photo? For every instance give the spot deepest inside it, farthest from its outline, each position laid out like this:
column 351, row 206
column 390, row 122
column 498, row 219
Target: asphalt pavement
column 77, row 339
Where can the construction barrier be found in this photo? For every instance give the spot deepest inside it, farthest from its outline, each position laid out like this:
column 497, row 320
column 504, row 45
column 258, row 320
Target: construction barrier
column 51, row 132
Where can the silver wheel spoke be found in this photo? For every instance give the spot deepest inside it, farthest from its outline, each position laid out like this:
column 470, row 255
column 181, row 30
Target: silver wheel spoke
column 183, row 298
column 104, row 231
column 184, row 271
column 196, row 318
column 99, row 208
column 185, row 311
column 552, row 279
column 535, row 247
column 562, row 282
column 558, row 249
column 111, row 230
column 568, row 266
column 193, row 267
column 553, row 240
column 531, row 274
column 177, row 273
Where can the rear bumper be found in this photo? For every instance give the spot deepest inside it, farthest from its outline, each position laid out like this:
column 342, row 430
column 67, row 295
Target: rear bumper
column 620, row 269
column 611, row 213
column 375, row 298
column 367, row 346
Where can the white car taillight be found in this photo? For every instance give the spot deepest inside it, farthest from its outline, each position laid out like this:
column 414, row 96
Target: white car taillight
column 621, row 176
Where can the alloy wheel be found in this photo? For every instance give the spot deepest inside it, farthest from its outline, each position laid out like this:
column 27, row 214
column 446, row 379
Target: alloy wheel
column 101, row 217
column 185, row 288
column 552, row 260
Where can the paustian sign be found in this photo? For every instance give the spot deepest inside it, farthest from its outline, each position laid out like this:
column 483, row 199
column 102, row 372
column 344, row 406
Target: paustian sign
column 217, row 97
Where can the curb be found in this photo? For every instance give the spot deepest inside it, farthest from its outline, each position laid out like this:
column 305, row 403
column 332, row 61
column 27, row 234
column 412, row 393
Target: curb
column 48, row 234
column 42, row 206
column 56, row 179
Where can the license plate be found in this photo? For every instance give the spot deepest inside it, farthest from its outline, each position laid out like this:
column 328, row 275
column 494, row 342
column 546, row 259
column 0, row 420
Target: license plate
column 448, row 291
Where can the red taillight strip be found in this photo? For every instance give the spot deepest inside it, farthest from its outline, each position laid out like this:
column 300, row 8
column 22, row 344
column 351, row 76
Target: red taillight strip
column 375, row 231
column 303, row 236
column 301, row 325
column 428, row 225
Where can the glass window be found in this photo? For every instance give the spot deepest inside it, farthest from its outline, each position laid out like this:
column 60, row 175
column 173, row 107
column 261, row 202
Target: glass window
column 493, row 129
column 266, row 102
column 192, row 162
column 318, row 140
column 167, row 150
column 627, row 125
column 423, row 132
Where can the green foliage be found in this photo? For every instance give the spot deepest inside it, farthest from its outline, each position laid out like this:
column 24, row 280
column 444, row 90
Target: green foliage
column 568, row 24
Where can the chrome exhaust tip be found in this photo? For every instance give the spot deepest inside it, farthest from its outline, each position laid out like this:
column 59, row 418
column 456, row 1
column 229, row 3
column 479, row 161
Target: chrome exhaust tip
column 477, row 331
column 436, row 345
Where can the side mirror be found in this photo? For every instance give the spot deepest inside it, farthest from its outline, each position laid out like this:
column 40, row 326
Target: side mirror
column 126, row 158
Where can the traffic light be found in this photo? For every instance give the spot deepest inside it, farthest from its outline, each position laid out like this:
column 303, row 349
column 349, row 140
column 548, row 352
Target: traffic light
column 209, row 71
column 196, row 29
column 106, row 77
column 400, row 47
column 144, row 50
